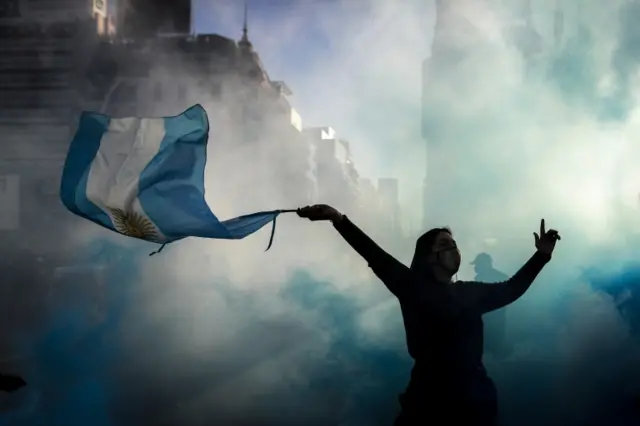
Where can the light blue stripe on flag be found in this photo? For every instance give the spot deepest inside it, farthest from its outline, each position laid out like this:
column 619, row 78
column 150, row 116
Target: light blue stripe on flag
column 144, row 178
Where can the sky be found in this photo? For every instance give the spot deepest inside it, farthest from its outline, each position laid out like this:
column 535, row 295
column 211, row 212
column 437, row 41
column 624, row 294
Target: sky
column 220, row 332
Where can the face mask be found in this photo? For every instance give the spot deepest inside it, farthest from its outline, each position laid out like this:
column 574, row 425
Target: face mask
column 449, row 260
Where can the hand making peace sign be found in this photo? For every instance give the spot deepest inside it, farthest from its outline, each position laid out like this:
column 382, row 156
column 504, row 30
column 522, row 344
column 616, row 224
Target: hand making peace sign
column 546, row 241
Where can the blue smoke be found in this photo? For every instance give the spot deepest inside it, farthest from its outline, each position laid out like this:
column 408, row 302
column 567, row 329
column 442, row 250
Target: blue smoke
column 529, row 385
column 624, row 288
column 359, row 378
column 87, row 373
column 73, row 357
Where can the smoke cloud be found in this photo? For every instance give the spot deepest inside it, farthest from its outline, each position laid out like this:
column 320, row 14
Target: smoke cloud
column 221, row 332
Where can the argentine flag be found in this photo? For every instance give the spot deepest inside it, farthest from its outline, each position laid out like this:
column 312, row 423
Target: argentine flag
column 144, row 178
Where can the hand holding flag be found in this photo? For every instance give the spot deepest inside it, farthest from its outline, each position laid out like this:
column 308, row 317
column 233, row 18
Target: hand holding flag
column 320, row 212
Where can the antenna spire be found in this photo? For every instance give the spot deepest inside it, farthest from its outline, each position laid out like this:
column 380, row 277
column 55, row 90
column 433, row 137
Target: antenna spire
column 245, row 37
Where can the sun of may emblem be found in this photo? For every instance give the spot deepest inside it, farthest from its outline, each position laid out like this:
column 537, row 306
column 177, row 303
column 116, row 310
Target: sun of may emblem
column 133, row 225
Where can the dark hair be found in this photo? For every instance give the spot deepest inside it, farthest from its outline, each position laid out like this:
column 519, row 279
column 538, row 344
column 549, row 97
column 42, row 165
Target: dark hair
column 428, row 239
column 425, row 244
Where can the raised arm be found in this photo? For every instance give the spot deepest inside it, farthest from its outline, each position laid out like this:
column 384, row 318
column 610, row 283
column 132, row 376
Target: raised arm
column 390, row 271
column 489, row 297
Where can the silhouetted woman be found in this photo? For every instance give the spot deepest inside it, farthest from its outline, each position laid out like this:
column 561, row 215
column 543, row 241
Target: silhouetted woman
column 442, row 319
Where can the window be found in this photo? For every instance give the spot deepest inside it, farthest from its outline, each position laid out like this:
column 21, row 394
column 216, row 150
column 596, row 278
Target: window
column 100, row 27
column 10, row 9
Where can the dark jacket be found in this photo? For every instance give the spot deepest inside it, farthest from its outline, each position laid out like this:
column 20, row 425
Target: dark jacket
column 443, row 322
column 495, row 323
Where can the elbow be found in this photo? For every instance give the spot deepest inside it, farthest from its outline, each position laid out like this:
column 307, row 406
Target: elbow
column 505, row 298
column 518, row 286
column 515, row 293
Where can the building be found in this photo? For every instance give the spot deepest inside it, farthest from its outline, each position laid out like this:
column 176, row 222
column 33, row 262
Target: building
column 455, row 40
column 368, row 198
column 337, row 176
column 256, row 141
column 44, row 49
column 388, row 196
column 139, row 19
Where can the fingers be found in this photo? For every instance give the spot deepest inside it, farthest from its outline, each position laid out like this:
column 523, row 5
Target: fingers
column 536, row 237
column 312, row 213
column 553, row 234
column 306, row 211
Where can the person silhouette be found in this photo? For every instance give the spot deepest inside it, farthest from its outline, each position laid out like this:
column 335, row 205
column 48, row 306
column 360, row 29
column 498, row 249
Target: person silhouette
column 442, row 319
column 495, row 323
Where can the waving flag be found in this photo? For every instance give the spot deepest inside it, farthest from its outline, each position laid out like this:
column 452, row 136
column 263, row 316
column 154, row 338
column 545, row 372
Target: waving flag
column 144, row 178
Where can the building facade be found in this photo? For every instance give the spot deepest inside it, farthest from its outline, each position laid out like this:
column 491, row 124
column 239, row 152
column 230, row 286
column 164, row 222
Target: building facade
column 337, row 176
column 140, row 19
column 368, row 209
column 44, row 48
column 388, row 196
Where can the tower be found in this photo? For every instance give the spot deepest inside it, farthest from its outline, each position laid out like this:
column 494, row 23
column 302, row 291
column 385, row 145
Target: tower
column 455, row 39
column 388, row 196
column 244, row 41
column 558, row 24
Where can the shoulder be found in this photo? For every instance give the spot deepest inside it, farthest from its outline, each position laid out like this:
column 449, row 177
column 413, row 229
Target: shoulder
column 466, row 284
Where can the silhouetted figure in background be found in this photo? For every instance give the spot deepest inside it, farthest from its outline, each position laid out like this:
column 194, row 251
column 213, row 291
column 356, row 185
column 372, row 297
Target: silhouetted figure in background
column 495, row 323
column 442, row 319
column 10, row 383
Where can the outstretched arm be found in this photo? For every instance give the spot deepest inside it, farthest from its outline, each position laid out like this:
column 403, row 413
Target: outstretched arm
column 390, row 271
column 489, row 297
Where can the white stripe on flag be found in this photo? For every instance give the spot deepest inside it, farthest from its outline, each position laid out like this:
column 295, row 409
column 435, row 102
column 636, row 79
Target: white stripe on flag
column 125, row 150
